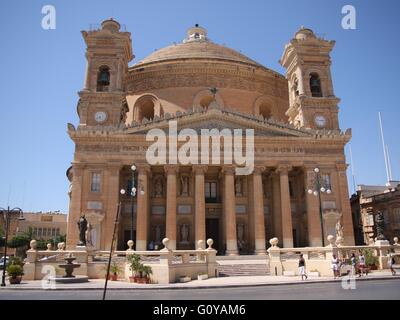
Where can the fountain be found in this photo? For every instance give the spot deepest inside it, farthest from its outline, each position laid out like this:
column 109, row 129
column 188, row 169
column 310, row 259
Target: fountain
column 69, row 269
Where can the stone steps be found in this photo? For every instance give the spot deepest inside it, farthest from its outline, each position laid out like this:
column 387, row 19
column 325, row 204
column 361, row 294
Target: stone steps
column 256, row 269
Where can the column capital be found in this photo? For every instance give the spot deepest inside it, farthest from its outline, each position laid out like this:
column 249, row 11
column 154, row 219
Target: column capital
column 258, row 170
column 199, row 169
column 283, row 168
column 228, row 169
column 78, row 165
column 341, row 166
column 143, row 168
column 171, row 169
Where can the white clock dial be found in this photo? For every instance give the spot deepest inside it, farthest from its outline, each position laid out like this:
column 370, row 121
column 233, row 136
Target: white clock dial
column 320, row 121
column 100, row 116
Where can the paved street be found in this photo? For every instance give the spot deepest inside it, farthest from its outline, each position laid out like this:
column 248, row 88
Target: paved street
column 372, row 289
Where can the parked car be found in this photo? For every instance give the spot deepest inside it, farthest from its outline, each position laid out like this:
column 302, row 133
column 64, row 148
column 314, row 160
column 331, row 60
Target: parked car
column 2, row 262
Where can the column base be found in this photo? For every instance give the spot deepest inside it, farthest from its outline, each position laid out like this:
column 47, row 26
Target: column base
column 141, row 245
column 172, row 244
column 260, row 246
column 260, row 252
column 231, row 253
column 288, row 243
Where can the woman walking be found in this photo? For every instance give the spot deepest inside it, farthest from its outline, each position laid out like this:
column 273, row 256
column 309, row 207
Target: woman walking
column 335, row 266
column 302, row 267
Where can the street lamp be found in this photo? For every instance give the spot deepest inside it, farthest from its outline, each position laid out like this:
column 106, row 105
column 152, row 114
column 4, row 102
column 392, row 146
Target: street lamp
column 8, row 214
column 122, row 191
column 133, row 194
column 316, row 190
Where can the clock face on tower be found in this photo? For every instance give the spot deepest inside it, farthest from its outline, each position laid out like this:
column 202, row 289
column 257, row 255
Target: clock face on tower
column 100, row 116
column 320, row 121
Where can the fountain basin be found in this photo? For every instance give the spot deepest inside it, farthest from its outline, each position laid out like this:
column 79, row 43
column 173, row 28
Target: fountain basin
column 74, row 279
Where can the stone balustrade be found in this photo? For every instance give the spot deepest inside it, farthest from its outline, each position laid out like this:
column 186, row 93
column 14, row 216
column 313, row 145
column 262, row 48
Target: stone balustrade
column 167, row 265
column 285, row 260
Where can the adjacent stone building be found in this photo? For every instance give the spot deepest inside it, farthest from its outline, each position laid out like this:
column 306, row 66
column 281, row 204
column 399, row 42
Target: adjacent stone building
column 203, row 85
column 367, row 202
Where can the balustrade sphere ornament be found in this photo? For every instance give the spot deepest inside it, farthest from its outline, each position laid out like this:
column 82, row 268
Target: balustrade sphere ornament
column 130, row 244
column 59, row 246
column 274, row 242
column 48, row 247
column 165, row 242
column 210, row 242
column 33, row 244
column 396, row 240
column 331, row 239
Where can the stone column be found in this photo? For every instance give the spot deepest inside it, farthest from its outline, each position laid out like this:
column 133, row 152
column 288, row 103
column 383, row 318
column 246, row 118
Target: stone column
column 343, row 194
column 258, row 196
column 199, row 206
column 111, row 194
column 287, row 229
column 312, row 205
column 276, row 206
column 171, row 171
column 230, row 210
column 75, row 206
column 142, row 222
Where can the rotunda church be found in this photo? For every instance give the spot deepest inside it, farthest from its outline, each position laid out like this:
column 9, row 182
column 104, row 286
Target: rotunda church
column 296, row 189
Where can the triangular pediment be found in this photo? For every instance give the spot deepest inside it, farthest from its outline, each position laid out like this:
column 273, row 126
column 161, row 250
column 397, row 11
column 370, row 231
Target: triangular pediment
column 219, row 119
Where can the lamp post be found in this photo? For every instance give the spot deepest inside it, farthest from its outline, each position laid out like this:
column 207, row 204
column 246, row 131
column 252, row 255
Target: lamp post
column 316, row 190
column 8, row 214
column 133, row 193
column 112, row 244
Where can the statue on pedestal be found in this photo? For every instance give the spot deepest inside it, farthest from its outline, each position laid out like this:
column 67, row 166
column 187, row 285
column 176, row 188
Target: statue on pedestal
column 380, row 226
column 184, row 185
column 339, row 230
column 82, row 226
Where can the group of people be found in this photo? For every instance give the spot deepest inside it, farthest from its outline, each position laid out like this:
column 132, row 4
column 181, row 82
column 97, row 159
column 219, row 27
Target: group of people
column 357, row 267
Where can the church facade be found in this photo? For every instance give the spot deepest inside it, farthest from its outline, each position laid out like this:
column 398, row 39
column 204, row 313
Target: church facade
column 296, row 191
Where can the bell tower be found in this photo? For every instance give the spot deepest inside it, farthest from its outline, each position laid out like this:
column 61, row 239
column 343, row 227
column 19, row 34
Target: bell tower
column 108, row 52
column 312, row 102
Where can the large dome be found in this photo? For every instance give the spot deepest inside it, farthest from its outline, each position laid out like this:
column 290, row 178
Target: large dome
column 197, row 46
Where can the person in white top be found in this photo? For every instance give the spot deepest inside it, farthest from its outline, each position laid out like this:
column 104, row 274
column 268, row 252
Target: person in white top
column 361, row 265
column 335, row 266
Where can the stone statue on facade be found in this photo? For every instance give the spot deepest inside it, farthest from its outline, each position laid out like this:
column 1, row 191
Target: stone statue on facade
column 380, row 226
column 82, row 226
column 158, row 188
column 184, row 185
column 238, row 186
column 88, row 235
column 184, row 233
column 339, row 230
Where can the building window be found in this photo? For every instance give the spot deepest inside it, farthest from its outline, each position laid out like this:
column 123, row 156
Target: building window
column 58, row 232
column 396, row 215
column 95, row 185
column 103, row 79
column 265, row 110
column 315, row 85
column 35, row 232
column 53, row 232
column 326, row 181
column 39, row 232
column 210, row 191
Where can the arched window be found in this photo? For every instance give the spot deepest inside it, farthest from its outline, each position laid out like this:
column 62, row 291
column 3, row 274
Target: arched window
column 315, row 85
column 265, row 110
column 103, row 79
column 147, row 110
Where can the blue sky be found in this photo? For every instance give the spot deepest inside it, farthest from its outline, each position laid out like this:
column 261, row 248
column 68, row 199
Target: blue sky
column 42, row 71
